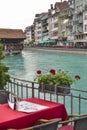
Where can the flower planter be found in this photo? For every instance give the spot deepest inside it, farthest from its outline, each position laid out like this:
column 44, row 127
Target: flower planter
column 62, row 78
column 4, row 96
column 54, row 89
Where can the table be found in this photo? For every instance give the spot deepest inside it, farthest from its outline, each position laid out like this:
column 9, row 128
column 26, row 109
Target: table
column 14, row 119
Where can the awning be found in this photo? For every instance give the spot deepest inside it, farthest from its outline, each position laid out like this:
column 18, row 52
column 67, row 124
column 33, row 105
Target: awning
column 44, row 34
column 42, row 41
column 47, row 41
column 51, row 41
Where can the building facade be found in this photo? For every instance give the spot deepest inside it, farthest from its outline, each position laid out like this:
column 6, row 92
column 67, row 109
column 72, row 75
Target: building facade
column 65, row 24
column 29, row 32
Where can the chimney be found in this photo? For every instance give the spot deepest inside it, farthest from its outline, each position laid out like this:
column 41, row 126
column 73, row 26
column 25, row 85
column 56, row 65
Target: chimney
column 51, row 6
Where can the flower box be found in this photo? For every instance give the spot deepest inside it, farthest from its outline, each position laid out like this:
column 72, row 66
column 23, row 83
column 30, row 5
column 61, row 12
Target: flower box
column 54, row 89
column 55, row 81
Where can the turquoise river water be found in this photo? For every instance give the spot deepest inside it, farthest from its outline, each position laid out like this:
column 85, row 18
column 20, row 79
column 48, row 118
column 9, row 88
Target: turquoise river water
column 25, row 65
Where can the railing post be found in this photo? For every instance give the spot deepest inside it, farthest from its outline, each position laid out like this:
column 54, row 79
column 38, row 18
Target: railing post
column 71, row 103
column 17, row 89
column 26, row 90
column 32, row 89
column 79, row 104
column 22, row 90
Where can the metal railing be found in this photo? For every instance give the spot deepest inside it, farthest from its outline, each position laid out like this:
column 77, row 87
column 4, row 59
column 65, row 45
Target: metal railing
column 75, row 102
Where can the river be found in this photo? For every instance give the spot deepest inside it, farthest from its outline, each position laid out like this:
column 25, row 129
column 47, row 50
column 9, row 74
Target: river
column 25, row 65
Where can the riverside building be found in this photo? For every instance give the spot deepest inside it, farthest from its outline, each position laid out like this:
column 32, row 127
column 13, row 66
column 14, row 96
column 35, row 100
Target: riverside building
column 64, row 24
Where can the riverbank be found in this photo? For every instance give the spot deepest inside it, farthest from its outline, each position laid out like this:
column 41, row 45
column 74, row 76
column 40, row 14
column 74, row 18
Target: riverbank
column 58, row 50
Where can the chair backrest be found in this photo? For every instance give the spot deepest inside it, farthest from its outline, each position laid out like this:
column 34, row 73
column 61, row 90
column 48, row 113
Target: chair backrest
column 80, row 123
column 52, row 125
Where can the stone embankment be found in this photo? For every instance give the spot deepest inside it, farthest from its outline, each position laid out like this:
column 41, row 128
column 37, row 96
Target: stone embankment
column 58, row 50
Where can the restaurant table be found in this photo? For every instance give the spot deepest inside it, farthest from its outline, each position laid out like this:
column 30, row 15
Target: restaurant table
column 10, row 118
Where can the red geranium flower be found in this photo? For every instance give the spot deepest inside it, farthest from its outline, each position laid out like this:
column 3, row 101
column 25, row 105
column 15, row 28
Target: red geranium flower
column 38, row 71
column 77, row 77
column 52, row 71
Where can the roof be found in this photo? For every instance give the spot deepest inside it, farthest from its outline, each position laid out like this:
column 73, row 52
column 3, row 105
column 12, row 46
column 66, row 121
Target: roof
column 62, row 5
column 39, row 16
column 12, row 33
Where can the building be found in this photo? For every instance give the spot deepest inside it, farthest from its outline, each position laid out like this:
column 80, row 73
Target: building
column 29, row 32
column 70, row 25
column 44, row 26
column 64, row 24
column 12, row 39
column 53, row 24
column 80, row 23
column 38, row 27
column 62, row 21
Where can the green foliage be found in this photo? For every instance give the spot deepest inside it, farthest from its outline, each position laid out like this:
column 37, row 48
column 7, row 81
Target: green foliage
column 55, row 78
column 32, row 41
column 4, row 76
column 1, row 52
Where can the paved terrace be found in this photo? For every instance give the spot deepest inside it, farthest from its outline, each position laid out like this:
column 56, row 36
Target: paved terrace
column 58, row 50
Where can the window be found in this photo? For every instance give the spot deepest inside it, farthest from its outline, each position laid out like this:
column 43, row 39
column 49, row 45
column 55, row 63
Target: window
column 85, row 27
column 86, row 17
column 55, row 33
column 55, row 25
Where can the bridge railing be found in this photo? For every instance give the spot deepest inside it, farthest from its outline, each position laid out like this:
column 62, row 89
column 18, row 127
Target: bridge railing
column 75, row 102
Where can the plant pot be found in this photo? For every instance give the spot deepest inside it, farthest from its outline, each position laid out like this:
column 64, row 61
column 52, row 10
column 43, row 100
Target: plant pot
column 54, row 89
column 4, row 96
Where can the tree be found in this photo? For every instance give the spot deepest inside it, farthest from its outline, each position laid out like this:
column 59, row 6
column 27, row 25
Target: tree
column 32, row 41
column 4, row 76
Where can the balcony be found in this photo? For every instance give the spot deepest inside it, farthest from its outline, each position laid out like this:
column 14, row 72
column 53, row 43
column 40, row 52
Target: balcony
column 69, row 24
column 54, row 20
column 54, row 29
column 80, row 21
column 44, row 23
column 44, row 34
column 79, row 12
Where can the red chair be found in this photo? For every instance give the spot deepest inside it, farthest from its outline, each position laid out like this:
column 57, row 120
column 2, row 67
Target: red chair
column 79, row 123
column 43, row 125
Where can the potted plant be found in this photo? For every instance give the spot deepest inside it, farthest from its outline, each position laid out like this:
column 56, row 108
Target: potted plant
column 4, row 78
column 57, row 81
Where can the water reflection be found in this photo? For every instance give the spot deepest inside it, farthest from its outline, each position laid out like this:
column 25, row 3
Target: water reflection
column 25, row 65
